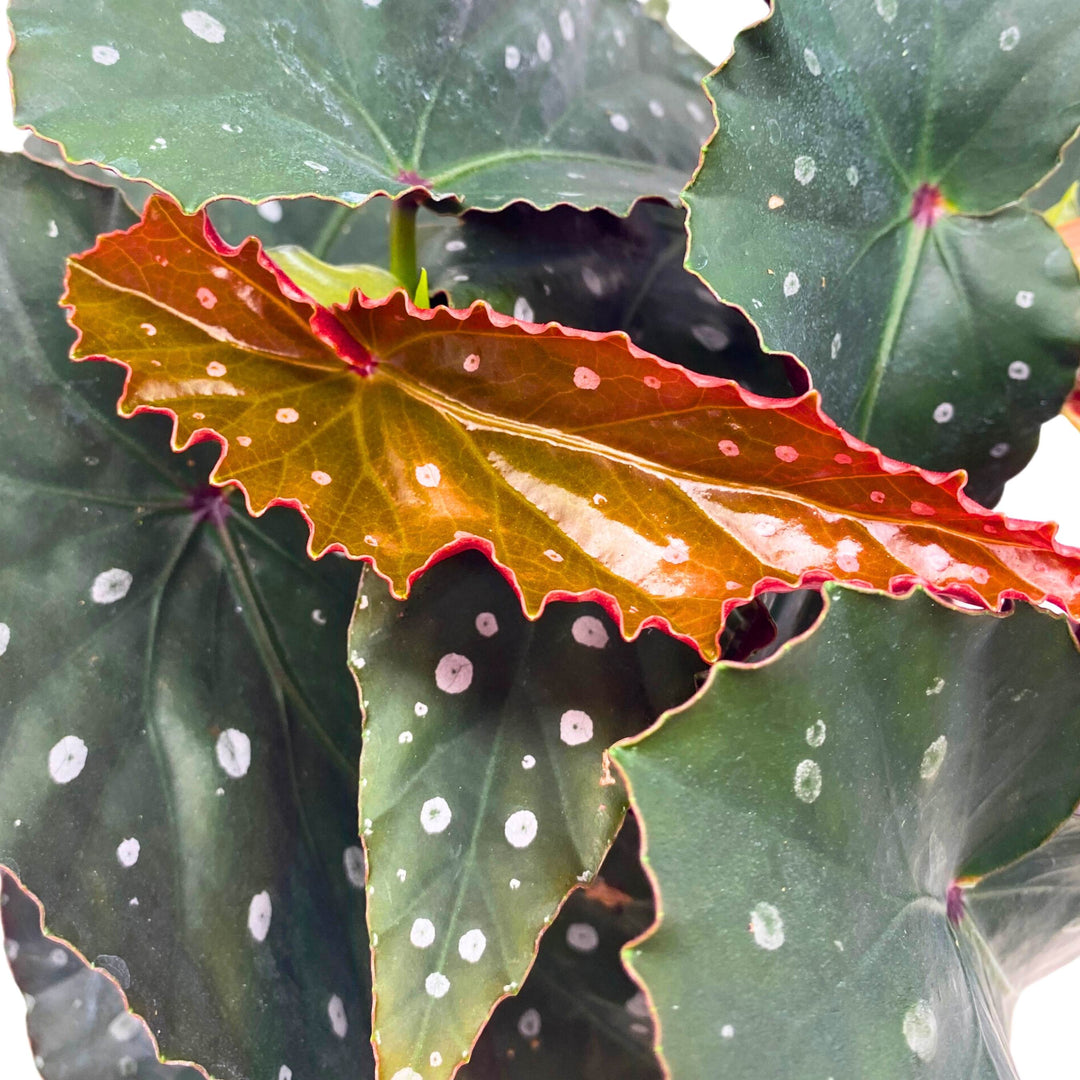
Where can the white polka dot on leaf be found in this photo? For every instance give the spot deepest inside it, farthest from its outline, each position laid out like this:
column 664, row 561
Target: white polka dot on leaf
column 454, row 673
column 521, row 828
column 589, row 630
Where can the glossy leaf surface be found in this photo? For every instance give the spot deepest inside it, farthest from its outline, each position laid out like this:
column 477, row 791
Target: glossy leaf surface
column 812, row 822
column 166, row 673
column 942, row 329
column 586, row 466
column 589, row 103
column 578, row 1015
column 485, row 797
column 77, row 1017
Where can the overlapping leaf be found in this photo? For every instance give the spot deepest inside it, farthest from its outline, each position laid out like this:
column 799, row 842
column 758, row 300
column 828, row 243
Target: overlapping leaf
column 578, row 1015
column 823, row 852
column 939, row 327
column 1028, row 912
column 1070, row 233
column 530, row 262
column 77, row 1017
column 584, row 465
column 586, row 102
column 177, row 755
column 598, row 272
column 485, row 796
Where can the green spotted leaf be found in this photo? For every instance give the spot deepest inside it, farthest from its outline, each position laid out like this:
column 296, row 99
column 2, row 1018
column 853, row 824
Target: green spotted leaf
column 590, row 103
column 598, row 272
column 578, row 1015
column 485, row 793
column 77, row 1017
column 857, row 199
column 527, row 261
column 817, row 827
column 177, row 753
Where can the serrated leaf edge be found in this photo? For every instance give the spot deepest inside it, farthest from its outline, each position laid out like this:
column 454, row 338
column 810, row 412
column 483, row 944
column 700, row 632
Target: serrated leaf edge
column 327, row 328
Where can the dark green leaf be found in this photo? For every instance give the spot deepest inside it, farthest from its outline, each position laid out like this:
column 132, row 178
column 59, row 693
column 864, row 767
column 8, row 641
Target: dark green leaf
column 526, row 261
column 598, row 272
column 589, row 103
column 485, row 793
column 944, row 336
column 812, row 821
column 77, row 1017
column 153, row 638
column 578, row 1015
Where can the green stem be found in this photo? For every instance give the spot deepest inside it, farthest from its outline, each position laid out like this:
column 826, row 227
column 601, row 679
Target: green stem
column 403, row 242
column 330, row 230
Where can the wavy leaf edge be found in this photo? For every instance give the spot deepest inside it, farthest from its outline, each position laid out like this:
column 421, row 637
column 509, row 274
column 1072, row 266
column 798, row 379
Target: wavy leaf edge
column 405, row 191
column 1068, row 231
column 326, row 327
column 103, row 972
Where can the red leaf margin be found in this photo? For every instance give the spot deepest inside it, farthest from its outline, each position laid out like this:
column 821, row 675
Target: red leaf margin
column 327, row 328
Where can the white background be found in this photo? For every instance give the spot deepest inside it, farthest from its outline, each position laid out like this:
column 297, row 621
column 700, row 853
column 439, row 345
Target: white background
column 1046, row 1035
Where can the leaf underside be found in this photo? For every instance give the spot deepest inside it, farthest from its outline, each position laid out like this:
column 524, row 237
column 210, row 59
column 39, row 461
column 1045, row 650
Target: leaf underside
column 177, row 765
column 485, row 797
column 812, row 850
column 1027, row 911
column 586, row 467
column 77, row 1017
column 587, row 103
column 944, row 344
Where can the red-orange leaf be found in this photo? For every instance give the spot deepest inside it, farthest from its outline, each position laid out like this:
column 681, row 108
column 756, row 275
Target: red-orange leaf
column 581, row 464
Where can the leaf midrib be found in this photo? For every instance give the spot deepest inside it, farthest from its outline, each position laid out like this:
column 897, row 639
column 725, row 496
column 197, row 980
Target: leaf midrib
column 475, row 419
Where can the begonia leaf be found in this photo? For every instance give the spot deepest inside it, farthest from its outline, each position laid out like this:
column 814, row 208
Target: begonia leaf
column 1070, row 233
column 583, row 465
column 328, row 283
column 485, row 794
column 598, row 272
column 578, row 1015
column 590, row 103
column 1028, row 911
column 856, row 202
column 77, row 1017
column 177, row 753
column 817, row 827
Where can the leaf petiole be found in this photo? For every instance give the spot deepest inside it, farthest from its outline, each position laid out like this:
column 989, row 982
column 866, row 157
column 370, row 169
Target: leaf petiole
column 403, row 242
